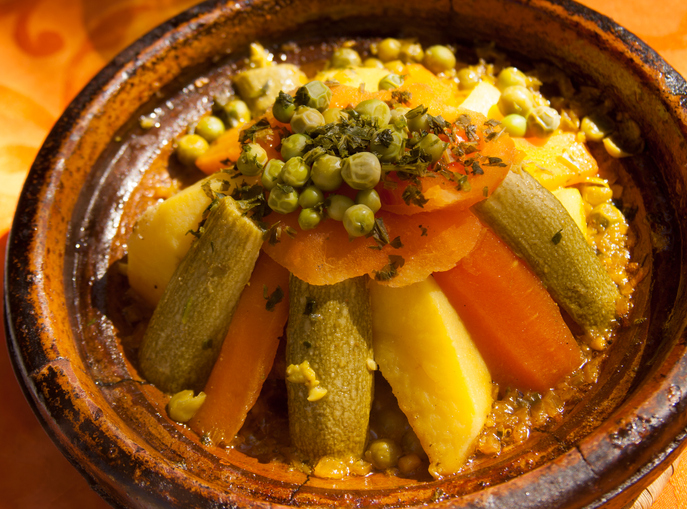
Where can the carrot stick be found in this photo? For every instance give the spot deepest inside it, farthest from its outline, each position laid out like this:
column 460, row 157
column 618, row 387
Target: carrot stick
column 514, row 322
column 247, row 355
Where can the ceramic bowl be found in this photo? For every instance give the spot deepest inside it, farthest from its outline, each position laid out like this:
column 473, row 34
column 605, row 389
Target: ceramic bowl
column 81, row 190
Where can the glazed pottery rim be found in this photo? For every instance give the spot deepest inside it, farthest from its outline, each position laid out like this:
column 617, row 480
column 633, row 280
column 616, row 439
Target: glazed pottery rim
column 23, row 327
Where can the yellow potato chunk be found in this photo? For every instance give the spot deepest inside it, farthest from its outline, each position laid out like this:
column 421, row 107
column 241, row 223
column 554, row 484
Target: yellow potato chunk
column 571, row 199
column 437, row 374
column 482, row 98
column 557, row 161
column 160, row 239
column 355, row 76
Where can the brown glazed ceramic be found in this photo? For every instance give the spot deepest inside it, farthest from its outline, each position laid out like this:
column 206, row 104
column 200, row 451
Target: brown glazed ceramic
column 113, row 427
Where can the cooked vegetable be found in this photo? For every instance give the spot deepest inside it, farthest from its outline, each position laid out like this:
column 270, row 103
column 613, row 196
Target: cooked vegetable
column 426, row 243
column 210, row 128
column 247, row 353
column 439, row 58
column 329, row 380
column 259, row 87
column 184, row 405
column 345, row 57
column 437, row 374
column 186, row 331
column 560, row 161
column 539, row 229
column 190, row 147
column 529, row 346
column 161, row 237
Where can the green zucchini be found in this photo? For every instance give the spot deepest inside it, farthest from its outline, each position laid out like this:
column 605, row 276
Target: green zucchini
column 539, row 229
column 188, row 326
column 330, row 367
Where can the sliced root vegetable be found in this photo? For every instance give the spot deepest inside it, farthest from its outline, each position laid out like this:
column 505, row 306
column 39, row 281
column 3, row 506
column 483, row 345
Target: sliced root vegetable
column 435, row 370
column 539, row 229
column 511, row 317
column 161, row 237
column 557, row 161
column 457, row 185
column 247, row 353
column 189, row 324
column 432, row 241
column 330, row 368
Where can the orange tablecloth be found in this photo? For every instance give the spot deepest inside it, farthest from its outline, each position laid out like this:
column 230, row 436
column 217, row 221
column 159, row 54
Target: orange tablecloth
column 48, row 51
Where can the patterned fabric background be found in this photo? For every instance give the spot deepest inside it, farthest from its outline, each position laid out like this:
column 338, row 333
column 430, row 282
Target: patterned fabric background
column 49, row 49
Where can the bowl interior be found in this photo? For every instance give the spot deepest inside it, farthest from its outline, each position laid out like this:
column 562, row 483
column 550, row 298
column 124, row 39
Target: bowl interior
column 94, row 175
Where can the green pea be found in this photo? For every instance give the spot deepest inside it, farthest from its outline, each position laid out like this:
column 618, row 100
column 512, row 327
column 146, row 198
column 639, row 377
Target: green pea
column 390, row 81
column 252, row 160
column 373, row 63
column 326, row 172
column 383, row 453
column 375, row 109
column 370, row 198
column 345, row 57
column 411, row 444
column 283, row 108
column 295, row 172
column 295, row 145
column 336, row 205
column 516, row 99
column 509, row 77
column 389, row 49
column 271, row 174
column 283, row 199
column 210, row 127
column 358, row 220
column 310, row 197
column 542, row 121
column 334, row 115
column 315, row 95
column 468, row 78
column 189, row 148
column 388, row 145
column 515, row 125
column 306, row 118
column 309, row 219
column 433, row 146
column 361, row 170
column 417, row 119
column 411, row 52
column 236, row 112
column 439, row 59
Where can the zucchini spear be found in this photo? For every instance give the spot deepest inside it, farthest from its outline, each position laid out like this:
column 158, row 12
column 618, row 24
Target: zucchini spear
column 538, row 229
column 190, row 322
column 330, row 368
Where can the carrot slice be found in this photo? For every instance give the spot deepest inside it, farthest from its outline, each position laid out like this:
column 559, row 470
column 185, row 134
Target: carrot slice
column 487, row 167
column 247, row 355
column 514, row 322
column 432, row 241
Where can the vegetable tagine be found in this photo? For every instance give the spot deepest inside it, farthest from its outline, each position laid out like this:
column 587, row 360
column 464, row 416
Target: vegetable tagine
column 396, row 261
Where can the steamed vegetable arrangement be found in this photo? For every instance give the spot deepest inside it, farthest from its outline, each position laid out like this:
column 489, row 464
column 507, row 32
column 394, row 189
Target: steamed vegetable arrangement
column 396, row 216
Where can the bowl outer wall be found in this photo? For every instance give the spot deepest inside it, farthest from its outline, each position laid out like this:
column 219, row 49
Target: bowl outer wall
column 620, row 455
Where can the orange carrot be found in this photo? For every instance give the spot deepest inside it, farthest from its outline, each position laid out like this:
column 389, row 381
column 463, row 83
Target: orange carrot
column 432, row 241
column 514, row 322
column 486, row 169
column 247, row 354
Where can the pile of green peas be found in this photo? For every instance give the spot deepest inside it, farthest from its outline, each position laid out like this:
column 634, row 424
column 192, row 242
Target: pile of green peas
column 227, row 113
column 302, row 177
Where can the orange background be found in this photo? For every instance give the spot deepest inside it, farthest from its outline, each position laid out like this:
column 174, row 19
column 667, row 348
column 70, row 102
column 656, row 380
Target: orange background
column 48, row 51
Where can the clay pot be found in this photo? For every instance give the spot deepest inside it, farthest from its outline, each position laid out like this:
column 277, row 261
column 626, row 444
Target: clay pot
column 67, row 237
